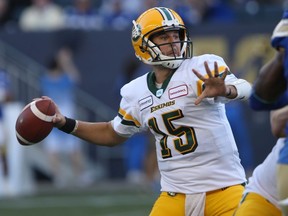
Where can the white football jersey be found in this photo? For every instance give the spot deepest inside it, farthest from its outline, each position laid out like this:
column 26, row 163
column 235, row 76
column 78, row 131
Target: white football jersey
column 263, row 179
column 195, row 146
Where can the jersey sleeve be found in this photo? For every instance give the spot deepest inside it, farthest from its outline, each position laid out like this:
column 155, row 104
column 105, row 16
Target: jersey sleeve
column 257, row 103
column 127, row 122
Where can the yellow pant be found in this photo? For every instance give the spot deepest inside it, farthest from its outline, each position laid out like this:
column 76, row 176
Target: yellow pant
column 222, row 202
column 255, row 205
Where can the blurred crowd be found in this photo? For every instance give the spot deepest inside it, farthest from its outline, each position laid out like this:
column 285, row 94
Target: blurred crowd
column 90, row 15
column 47, row 15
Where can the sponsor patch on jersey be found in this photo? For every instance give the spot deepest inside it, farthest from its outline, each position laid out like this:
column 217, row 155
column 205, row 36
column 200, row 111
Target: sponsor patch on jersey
column 178, row 91
column 145, row 102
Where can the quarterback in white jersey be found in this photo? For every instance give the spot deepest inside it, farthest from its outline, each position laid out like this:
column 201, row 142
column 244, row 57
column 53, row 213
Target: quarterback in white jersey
column 181, row 101
column 193, row 142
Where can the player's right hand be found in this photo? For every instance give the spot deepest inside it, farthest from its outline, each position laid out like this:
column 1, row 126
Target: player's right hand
column 214, row 84
column 59, row 119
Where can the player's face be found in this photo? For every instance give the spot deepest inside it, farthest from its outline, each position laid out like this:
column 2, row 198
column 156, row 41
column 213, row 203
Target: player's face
column 171, row 43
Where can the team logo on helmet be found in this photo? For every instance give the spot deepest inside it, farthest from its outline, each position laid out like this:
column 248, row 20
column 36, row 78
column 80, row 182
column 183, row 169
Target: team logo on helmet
column 136, row 31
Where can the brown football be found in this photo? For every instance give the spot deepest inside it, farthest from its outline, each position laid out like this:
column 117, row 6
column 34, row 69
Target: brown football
column 34, row 123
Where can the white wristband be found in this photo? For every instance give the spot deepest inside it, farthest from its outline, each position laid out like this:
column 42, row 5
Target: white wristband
column 244, row 89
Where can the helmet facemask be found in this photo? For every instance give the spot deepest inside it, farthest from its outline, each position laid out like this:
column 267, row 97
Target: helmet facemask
column 158, row 58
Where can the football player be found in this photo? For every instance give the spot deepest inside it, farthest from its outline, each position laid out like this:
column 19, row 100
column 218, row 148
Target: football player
column 270, row 92
column 181, row 101
column 260, row 195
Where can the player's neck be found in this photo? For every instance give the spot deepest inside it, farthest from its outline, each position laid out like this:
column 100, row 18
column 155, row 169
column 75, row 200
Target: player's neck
column 161, row 73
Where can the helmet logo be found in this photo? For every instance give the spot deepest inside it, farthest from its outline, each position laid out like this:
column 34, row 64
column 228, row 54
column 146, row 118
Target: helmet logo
column 136, row 31
column 173, row 22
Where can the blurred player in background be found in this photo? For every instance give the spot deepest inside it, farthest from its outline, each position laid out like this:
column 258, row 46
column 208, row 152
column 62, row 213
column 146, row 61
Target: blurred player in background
column 181, row 101
column 260, row 196
column 270, row 92
column 59, row 83
column 42, row 15
column 5, row 96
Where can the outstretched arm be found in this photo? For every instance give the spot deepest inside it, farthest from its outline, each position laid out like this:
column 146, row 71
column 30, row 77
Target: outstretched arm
column 270, row 85
column 99, row 133
column 271, row 82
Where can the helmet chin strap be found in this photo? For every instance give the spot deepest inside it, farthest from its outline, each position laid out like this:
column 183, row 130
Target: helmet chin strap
column 172, row 64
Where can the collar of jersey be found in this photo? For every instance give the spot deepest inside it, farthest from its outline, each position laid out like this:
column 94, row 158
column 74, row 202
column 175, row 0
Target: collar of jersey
column 151, row 80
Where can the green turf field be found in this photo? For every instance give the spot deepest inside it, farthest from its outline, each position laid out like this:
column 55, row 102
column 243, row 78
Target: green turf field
column 102, row 200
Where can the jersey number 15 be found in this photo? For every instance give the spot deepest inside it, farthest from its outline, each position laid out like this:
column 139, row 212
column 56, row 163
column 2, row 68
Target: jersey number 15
column 183, row 148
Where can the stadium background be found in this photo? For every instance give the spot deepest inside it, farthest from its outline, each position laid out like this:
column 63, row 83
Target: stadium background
column 100, row 56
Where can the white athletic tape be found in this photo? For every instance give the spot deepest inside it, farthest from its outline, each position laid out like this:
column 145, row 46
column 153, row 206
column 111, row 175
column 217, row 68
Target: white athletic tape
column 23, row 140
column 39, row 114
column 283, row 202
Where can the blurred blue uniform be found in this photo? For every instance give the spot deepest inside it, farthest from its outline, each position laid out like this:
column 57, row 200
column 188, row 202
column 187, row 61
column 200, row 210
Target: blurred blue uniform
column 236, row 117
column 135, row 150
column 258, row 104
column 4, row 91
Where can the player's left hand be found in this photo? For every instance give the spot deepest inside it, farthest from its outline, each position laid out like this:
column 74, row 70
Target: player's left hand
column 214, row 85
